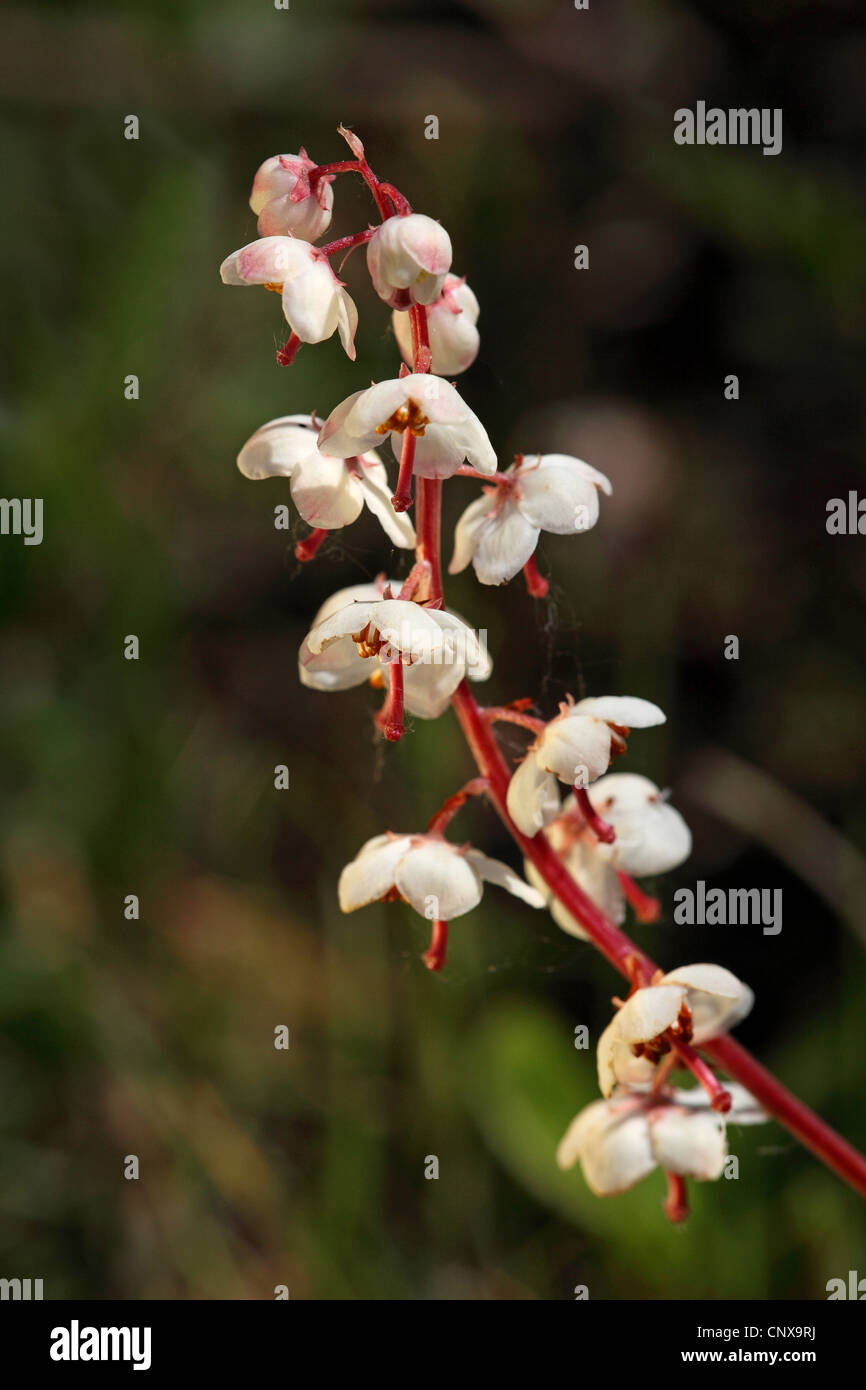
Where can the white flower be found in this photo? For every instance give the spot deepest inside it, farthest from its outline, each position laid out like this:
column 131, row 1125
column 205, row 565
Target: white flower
column 408, row 259
column 328, row 492
column 314, row 302
column 446, row 430
column 620, row 1141
column 282, row 201
column 575, row 747
column 358, row 631
column 548, row 492
column 451, row 330
column 438, row 879
column 651, row 838
column 695, row 1002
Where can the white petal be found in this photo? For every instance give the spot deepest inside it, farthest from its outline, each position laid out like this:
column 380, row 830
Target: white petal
column 591, row 867
column 336, row 437
column 717, row 999
column 691, row 1142
column 532, row 798
column 627, row 711
column 310, row 302
column 267, row 261
column 325, row 492
column 468, row 530
column 277, row 447
column 575, row 747
column 347, row 321
column 559, row 494
column 340, row 667
column 612, row 1141
column 651, row 836
column 617, row 1064
column 428, row 687
column 371, row 874
column 403, row 626
column 396, row 525
column 437, row 880
column 496, row 872
column 504, row 545
column 648, row 1012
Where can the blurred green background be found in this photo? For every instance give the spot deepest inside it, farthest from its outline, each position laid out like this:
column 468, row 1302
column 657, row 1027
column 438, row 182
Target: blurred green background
column 155, row 1037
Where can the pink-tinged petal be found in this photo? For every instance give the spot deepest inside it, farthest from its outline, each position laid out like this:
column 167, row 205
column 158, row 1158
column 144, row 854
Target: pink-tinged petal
column 268, row 261
column 336, row 437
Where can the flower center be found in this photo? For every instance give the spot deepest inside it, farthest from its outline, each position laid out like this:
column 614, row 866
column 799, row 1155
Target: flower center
column 408, row 417
column 274, row 288
column 657, row 1047
column 368, row 641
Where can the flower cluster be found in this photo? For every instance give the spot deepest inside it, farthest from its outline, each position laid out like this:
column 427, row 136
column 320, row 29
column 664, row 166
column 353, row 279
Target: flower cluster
column 583, row 849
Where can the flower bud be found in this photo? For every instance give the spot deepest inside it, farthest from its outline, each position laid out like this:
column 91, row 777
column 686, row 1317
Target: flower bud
column 408, row 259
column 282, row 200
column 451, row 321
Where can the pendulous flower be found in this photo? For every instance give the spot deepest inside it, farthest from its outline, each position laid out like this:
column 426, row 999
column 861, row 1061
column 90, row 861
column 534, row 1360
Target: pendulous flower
column 498, row 532
column 692, row 1004
column 328, row 492
column 446, row 431
column 315, row 303
column 408, row 259
column 451, row 320
column 620, row 1141
column 282, row 199
column 576, row 747
column 651, row 838
column 359, row 631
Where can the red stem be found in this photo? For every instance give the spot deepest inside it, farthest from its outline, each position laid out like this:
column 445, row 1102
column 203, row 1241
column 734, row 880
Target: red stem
column 434, row 956
column 449, row 808
column 720, row 1100
column 600, row 828
column 501, row 714
column 402, row 499
column 535, row 583
column 637, row 967
column 390, row 717
column 346, row 243
column 308, row 547
column 614, row 945
column 646, row 909
column 289, row 351
column 676, row 1203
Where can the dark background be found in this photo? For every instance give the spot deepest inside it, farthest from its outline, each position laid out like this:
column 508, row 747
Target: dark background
column 155, row 777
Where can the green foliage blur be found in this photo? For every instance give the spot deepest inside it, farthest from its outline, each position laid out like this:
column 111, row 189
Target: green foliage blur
column 154, row 1037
